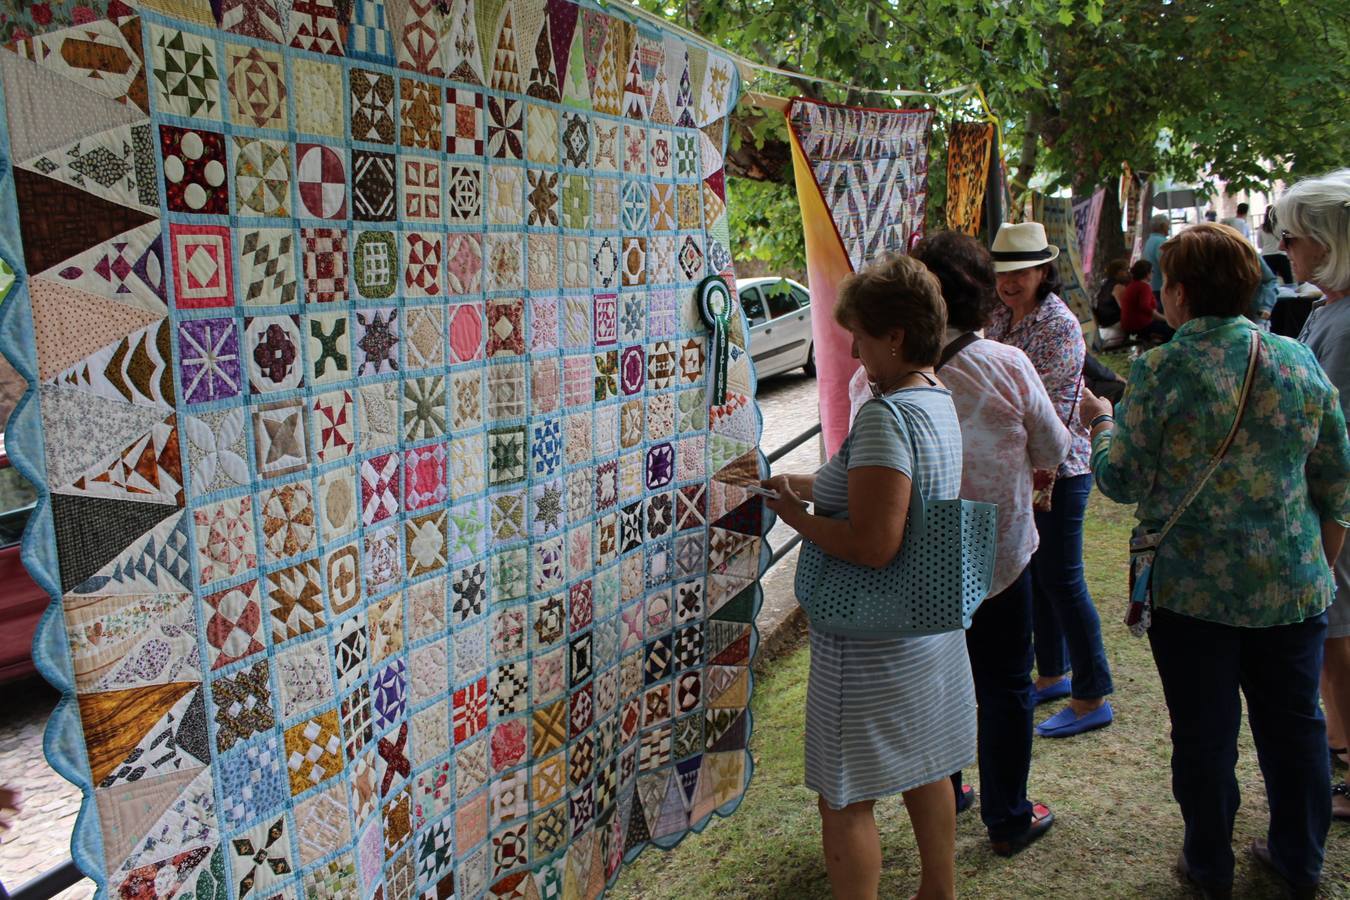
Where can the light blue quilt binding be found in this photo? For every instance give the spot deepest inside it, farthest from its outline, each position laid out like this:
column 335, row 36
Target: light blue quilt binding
column 63, row 742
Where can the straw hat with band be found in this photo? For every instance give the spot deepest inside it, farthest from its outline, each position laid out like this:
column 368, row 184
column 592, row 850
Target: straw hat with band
column 1021, row 247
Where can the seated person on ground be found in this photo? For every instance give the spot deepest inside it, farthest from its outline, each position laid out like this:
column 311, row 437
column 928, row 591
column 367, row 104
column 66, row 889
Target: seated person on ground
column 1106, row 305
column 1139, row 308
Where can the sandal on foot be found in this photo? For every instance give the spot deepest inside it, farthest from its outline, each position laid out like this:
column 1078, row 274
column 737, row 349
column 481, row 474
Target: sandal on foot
column 966, row 799
column 1340, row 801
column 1260, row 851
column 1208, row 891
column 1041, row 820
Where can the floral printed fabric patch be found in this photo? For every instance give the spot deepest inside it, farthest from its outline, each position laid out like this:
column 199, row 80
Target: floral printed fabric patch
column 380, row 496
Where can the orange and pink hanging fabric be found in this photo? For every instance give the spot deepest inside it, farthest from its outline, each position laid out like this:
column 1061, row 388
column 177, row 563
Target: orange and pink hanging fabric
column 862, row 182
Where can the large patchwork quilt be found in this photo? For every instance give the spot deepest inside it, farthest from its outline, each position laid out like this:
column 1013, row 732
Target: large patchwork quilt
column 970, row 147
column 395, row 538
column 1057, row 215
column 862, row 182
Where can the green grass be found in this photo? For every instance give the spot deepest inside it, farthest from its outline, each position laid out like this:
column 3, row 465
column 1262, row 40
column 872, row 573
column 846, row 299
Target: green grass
column 1117, row 831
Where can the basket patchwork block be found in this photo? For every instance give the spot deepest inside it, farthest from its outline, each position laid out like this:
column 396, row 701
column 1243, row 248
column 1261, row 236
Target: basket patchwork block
column 378, row 476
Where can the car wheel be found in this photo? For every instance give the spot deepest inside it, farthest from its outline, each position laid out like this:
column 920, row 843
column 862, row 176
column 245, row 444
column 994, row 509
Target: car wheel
column 810, row 365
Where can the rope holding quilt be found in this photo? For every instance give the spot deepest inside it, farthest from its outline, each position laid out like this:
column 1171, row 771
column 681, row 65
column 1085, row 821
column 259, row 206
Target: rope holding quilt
column 862, row 182
column 396, row 548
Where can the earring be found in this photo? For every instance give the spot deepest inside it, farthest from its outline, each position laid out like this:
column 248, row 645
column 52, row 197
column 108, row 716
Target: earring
column 892, row 351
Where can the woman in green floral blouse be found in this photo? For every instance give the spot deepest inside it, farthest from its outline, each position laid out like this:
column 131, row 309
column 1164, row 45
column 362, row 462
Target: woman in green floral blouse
column 1242, row 582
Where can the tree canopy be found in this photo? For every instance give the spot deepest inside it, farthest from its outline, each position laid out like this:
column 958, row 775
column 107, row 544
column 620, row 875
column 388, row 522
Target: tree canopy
column 1248, row 91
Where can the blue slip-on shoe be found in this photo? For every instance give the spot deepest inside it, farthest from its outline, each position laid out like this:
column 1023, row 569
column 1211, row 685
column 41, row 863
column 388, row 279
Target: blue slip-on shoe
column 1051, row 692
column 1066, row 724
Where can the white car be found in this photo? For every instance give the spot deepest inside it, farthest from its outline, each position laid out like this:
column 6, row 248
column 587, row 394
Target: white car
column 779, row 310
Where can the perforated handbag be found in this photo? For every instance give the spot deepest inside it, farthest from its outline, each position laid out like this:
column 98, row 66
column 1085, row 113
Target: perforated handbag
column 934, row 584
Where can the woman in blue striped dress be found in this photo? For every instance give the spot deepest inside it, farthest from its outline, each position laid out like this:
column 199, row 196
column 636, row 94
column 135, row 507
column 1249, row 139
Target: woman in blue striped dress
column 892, row 715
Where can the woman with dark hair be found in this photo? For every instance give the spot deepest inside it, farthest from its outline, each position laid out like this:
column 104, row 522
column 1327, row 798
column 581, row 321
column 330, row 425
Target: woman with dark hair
column 1139, row 313
column 1008, row 428
column 1106, row 305
column 1032, row 318
column 1241, row 580
column 892, row 715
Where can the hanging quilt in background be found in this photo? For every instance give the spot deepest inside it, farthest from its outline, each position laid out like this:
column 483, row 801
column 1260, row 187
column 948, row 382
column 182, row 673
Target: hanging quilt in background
column 1128, row 196
column 1087, row 218
column 394, row 538
column 969, row 148
column 862, row 183
column 1056, row 214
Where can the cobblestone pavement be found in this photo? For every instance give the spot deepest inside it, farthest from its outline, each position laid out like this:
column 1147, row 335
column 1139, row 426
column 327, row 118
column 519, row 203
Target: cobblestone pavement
column 40, row 839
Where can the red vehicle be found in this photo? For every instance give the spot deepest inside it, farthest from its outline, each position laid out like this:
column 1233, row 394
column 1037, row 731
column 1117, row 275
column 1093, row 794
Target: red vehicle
column 22, row 602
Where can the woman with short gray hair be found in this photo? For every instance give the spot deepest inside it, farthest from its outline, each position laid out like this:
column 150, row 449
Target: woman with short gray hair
column 1313, row 222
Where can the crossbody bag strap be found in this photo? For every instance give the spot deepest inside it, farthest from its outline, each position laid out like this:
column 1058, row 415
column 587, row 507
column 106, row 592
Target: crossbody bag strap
column 954, row 348
column 1252, row 354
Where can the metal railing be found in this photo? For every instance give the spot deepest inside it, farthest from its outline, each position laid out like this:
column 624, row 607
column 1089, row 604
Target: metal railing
column 54, row 881
column 46, row 885
column 774, row 457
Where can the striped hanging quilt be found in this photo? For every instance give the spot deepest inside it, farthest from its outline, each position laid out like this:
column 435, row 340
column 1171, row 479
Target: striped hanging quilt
column 862, row 183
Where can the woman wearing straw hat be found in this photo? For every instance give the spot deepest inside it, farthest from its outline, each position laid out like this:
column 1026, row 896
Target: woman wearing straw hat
column 1032, row 318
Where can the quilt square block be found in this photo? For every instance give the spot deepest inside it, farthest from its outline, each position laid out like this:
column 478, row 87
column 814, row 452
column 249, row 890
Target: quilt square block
column 505, row 327
column 313, row 25
column 375, row 265
column 421, row 189
column 321, row 181
column 280, row 443
column 267, row 266
column 372, row 105
column 262, row 177
column 186, row 73
column 273, row 346
column 419, row 114
column 465, row 133
column 325, row 254
column 202, row 275
column 195, row 177
column 374, row 186
column 463, row 193
column 379, row 488
column 424, row 408
column 376, row 340
column 506, row 196
column 329, row 347
column 425, row 477
column 576, row 140
column 504, row 128
column 425, row 337
column 319, row 97
column 463, row 263
column 286, row 516
column 422, row 264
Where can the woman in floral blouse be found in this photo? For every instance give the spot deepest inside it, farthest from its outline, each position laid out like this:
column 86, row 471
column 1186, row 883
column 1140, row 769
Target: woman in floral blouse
column 1241, row 583
column 1034, row 319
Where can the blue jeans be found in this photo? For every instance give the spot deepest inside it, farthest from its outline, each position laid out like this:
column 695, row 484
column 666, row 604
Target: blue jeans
column 1202, row 665
column 1067, row 628
column 999, row 642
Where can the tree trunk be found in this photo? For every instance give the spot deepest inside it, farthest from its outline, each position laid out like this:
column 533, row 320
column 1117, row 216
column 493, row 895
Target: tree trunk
column 1019, row 185
column 1110, row 234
